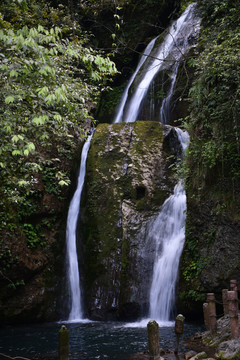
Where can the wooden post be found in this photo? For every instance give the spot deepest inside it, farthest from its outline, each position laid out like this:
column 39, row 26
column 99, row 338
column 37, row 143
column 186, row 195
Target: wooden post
column 179, row 327
column 63, row 343
column 206, row 316
column 212, row 313
column 153, row 340
column 233, row 285
column 225, row 301
column 233, row 313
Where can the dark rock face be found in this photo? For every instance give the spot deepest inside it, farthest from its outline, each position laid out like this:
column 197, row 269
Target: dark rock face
column 127, row 181
column 30, row 287
column 211, row 255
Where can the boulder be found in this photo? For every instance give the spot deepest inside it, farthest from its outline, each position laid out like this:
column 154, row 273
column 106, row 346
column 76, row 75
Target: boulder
column 127, row 181
column 229, row 350
column 199, row 356
column 190, row 354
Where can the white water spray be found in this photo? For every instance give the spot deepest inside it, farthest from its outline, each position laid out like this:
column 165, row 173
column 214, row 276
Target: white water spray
column 166, row 56
column 119, row 113
column 76, row 312
column 168, row 232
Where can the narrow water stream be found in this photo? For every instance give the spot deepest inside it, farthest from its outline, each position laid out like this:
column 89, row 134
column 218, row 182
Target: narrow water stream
column 73, row 277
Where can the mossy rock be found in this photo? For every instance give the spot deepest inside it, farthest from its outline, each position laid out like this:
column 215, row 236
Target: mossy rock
column 126, row 184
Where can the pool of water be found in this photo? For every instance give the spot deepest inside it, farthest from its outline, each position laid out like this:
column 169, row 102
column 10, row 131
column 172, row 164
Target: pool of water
column 88, row 340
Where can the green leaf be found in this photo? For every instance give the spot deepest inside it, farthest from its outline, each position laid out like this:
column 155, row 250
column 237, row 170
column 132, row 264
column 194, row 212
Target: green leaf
column 31, row 146
column 44, row 136
column 16, row 152
column 63, row 183
column 43, row 91
column 13, row 73
column 8, row 129
column 9, row 99
column 40, row 28
column 16, row 138
column 57, row 117
column 40, row 120
column 23, row 183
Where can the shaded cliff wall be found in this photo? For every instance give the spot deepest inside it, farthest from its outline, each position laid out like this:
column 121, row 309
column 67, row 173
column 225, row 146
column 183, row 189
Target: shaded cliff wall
column 127, row 181
column 211, row 255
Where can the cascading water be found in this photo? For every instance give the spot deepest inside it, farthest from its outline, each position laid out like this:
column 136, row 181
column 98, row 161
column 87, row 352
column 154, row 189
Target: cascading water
column 168, row 232
column 165, row 56
column 165, row 108
column 168, row 229
column 76, row 312
column 120, row 109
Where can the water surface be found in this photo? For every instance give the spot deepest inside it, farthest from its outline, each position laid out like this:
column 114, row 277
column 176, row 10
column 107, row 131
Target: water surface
column 89, row 340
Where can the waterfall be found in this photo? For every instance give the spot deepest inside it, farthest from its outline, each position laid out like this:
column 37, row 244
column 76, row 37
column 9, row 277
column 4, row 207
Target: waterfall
column 165, row 108
column 165, row 56
column 167, row 229
column 168, row 232
column 119, row 112
column 76, row 312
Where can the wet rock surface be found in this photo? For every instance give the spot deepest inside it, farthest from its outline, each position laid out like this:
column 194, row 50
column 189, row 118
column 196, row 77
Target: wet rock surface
column 217, row 346
column 127, row 181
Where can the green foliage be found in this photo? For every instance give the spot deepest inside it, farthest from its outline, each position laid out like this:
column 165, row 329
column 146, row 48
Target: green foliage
column 185, row 4
column 192, row 295
column 214, row 125
column 216, row 10
column 194, row 262
column 6, row 258
column 47, row 83
column 50, row 80
column 33, row 235
column 12, row 285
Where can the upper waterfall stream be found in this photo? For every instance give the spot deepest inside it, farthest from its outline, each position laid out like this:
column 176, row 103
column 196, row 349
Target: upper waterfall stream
column 156, row 57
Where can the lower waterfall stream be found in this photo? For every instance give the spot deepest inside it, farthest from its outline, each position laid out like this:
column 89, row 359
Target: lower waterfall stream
column 76, row 313
column 168, row 230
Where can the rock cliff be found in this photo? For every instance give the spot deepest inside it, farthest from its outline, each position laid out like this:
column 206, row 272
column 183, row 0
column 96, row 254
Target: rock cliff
column 127, row 181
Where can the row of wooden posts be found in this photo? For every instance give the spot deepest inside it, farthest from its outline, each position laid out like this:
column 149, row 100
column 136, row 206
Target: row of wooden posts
column 230, row 308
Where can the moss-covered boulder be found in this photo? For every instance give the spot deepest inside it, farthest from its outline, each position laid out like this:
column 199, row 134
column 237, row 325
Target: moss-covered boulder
column 127, row 181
